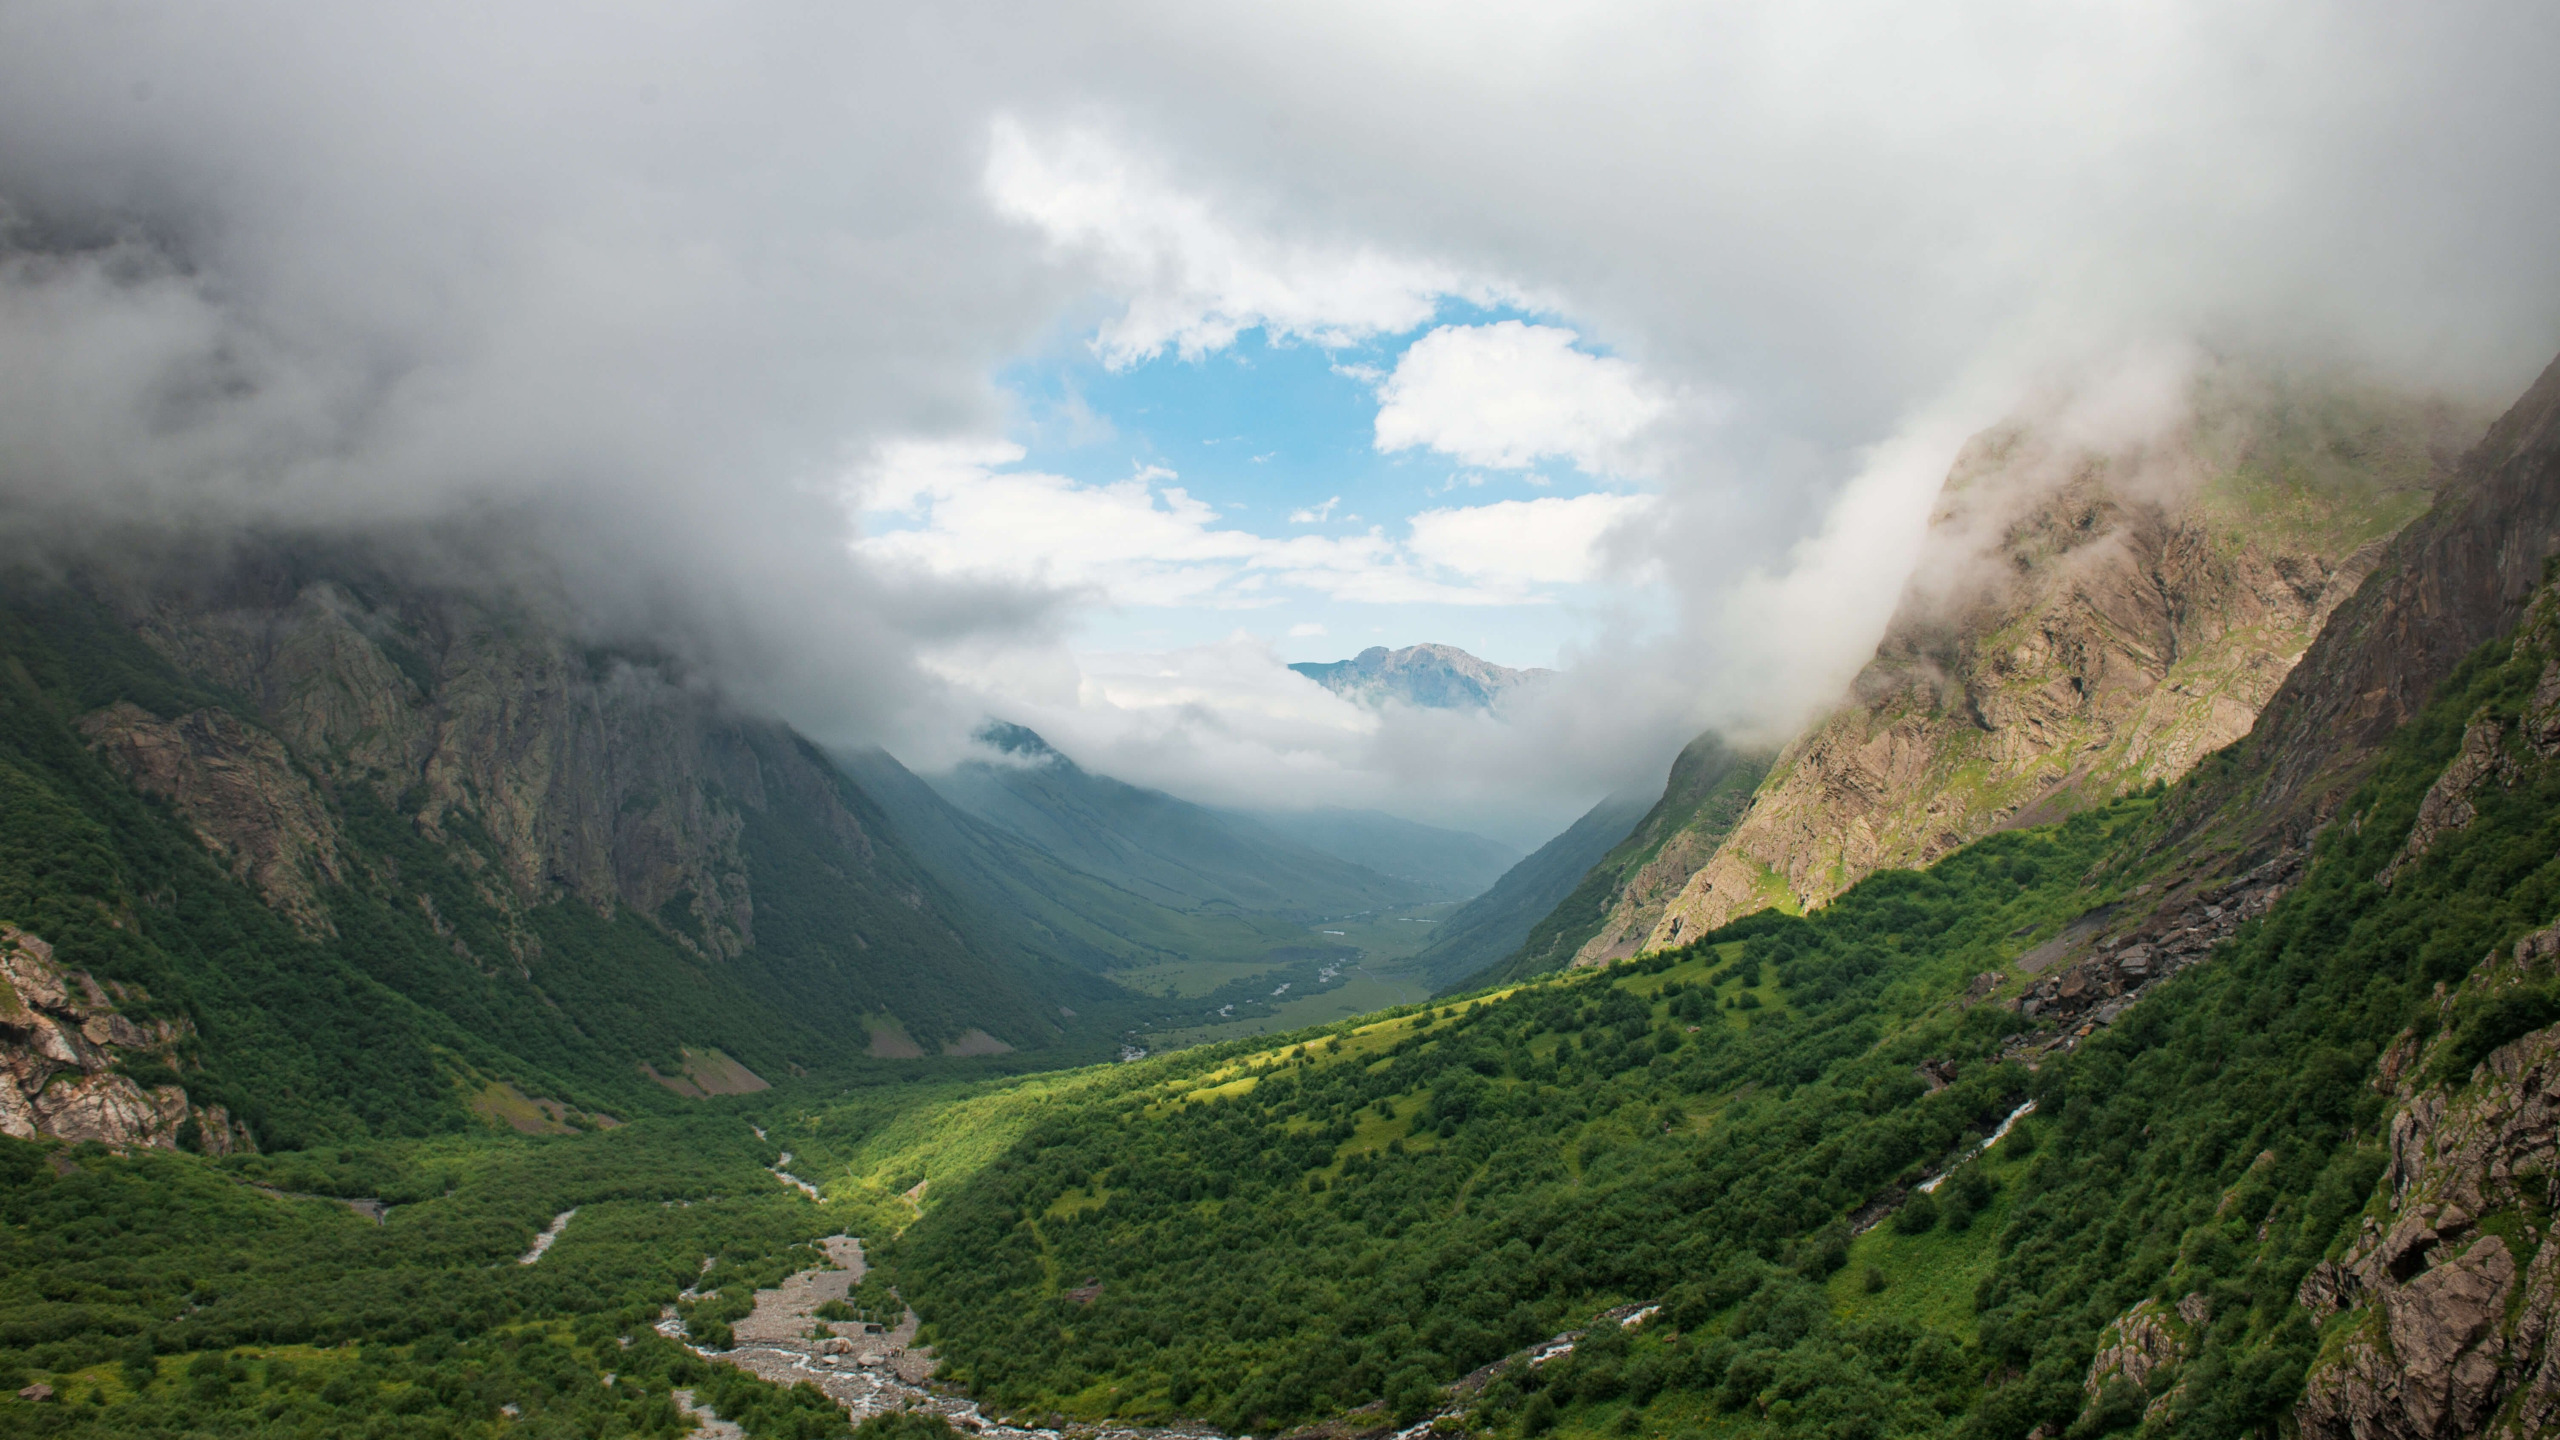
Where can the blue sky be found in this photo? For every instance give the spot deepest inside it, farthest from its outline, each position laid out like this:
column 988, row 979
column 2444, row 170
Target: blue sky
column 1279, row 437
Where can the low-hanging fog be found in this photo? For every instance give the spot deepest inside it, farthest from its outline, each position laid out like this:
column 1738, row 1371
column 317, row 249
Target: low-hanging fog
column 634, row 300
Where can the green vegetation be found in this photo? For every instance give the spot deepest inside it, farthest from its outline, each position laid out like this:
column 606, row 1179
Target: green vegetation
column 1721, row 1145
column 1300, row 1231
column 1361, row 1215
column 165, row 1294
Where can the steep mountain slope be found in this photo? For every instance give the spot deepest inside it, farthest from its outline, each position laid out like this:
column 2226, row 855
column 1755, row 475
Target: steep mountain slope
column 1613, row 906
column 1848, row 1173
column 1452, row 862
column 356, row 851
column 2459, row 576
column 1167, row 851
column 2086, row 620
column 1488, row 929
column 1045, row 906
column 1434, row 677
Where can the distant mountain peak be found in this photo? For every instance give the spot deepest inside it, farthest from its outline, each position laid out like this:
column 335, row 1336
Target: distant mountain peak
column 1018, row 741
column 1432, row 676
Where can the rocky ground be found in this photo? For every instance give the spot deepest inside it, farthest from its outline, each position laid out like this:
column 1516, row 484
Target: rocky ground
column 63, row 1037
column 2104, row 962
column 866, row 1370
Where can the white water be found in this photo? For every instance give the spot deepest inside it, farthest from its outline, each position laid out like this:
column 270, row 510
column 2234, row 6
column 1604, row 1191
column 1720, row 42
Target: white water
column 1931, row 1184
column 543, row 1241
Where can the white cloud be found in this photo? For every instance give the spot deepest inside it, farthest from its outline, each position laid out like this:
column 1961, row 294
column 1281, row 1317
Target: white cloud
column 1315, row 514
column 1508, row 394
column 1138, row 541
column 1190, row 277
column 1514, row 544
column 630, row 291
column 1306, row 630
column 1144, row 542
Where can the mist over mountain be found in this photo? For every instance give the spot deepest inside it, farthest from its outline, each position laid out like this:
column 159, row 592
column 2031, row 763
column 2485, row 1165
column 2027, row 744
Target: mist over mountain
column 1164, row 849
column 1452, row 862
column 2041, row 913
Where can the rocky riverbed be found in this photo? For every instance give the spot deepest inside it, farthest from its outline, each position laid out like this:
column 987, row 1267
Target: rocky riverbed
column 863, row 1368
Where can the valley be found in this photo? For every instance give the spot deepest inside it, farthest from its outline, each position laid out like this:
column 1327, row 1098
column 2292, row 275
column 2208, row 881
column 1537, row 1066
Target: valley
column 1364, row 962
column 387, row 1059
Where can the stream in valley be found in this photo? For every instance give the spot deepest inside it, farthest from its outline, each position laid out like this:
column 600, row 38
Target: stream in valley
column 862, row 1368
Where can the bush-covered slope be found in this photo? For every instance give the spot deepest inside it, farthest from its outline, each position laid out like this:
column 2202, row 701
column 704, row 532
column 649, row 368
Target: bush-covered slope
column 1383, row 1208
column 346, row 862
column 1371, row 1213
column 167, row 1295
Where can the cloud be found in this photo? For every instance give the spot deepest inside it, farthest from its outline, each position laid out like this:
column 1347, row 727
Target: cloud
column 1315, row 514
column 1306, row 630
column 1552, row 540
column 953, row 512
column 1188, row 276
column 1507, row 395
column 632, row 296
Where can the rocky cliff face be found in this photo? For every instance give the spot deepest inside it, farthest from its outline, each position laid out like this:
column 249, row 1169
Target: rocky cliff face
column 2442, row 1317
column 592, row 776
column 497, row 855
column 2086, row 620
column 241, row 793
column 63, row 1043
column 2452, row 581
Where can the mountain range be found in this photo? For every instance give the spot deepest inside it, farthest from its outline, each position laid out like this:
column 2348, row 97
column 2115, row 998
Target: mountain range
column 1431, row 677
column 2217, row 1105
column 2131, row 1009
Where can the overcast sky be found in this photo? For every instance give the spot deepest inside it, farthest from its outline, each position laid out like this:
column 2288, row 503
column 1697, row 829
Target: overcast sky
column 1084, row 364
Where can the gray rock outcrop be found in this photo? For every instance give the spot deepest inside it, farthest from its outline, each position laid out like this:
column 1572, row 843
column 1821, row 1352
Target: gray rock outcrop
column 2450, row 1299
column 62, row 1037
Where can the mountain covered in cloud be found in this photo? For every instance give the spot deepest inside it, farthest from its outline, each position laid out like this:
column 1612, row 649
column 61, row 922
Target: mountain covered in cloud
column 1434, row 677
column 1165, row 850
column 1455, row 862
